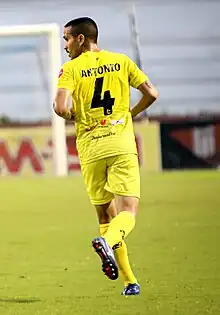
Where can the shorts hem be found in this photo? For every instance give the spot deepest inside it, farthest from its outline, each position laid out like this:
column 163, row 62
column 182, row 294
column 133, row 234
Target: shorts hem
column 125, row 194
column 103, row 202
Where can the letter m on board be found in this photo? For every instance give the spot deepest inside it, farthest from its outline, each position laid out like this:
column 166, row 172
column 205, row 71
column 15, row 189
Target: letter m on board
column 14, row 162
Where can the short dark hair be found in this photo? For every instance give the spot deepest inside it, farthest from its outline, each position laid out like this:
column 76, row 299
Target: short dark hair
column 85, row 26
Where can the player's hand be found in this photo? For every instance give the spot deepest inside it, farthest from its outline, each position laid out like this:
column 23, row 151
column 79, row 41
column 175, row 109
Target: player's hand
column 65, row 114
column 72, row 116
column 140, row 117
column 68, row 115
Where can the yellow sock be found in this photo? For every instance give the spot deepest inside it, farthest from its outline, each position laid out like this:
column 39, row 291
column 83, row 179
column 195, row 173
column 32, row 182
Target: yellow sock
column 119, row 228
column 103, row 228
column 121, row 256
column 124, row 267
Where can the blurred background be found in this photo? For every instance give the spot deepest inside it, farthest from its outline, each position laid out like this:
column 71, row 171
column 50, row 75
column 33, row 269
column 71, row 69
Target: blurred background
column 177, row 43
column 46, row 226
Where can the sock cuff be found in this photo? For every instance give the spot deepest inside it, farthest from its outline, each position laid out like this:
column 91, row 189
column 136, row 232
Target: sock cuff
column 127, row 214
column 103, row 228
column 105, row 225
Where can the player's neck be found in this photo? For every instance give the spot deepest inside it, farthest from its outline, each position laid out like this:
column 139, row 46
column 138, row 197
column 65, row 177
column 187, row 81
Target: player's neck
column 92, row 47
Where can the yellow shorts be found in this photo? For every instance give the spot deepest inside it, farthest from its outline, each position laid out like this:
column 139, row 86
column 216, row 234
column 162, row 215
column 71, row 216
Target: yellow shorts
column 112, row 175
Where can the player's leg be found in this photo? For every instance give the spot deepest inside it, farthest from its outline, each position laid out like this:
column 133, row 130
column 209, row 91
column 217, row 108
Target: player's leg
column 101, row 247
column 95, row 177
column 124, row 182
column 131, row 286
column 120, row 249
column 106, row 213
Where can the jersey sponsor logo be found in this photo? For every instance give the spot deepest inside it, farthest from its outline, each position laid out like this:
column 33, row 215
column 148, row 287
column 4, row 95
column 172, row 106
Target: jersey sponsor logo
column 90, row 128
column 103, row 136
column 60, row 73
column 112, row 67
column 117, row 122
column 103, row 122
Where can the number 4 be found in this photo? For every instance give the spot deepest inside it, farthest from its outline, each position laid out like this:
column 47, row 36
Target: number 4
column 107, row 102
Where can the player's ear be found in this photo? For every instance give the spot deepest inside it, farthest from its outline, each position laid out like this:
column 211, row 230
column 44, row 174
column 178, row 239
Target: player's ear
column 81, row 39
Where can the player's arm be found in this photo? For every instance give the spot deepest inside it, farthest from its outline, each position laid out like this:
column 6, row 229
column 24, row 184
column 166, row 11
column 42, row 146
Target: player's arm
column 61, row 102
column 149, row 96
column 139, row 80
column 65, row 88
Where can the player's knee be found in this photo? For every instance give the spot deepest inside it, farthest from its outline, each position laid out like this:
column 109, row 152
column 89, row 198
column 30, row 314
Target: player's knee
column 129, row 204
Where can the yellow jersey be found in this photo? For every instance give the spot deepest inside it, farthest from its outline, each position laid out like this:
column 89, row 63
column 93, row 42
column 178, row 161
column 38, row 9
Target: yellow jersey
column 100, row 86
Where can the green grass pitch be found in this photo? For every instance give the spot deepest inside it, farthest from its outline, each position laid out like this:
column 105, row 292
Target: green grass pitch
column 47, row 265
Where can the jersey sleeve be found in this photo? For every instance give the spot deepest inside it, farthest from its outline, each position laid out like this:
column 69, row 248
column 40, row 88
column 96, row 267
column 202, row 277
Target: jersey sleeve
column 135, row 74
column 66, row 78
